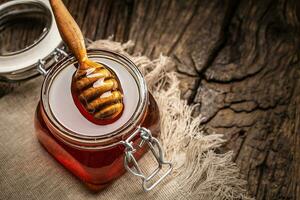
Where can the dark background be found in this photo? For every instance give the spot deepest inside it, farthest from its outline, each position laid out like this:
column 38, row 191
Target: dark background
column 239, row 60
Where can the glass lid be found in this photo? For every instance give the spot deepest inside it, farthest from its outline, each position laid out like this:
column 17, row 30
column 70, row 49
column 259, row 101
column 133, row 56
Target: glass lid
column 60, row 108
column 28, row 33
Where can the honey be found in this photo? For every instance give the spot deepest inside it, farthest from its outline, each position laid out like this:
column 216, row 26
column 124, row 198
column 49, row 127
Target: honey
column 97, row 168
column 98, row 95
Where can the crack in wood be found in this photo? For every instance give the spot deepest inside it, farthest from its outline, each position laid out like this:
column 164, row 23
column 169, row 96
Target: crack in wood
column 234, row 53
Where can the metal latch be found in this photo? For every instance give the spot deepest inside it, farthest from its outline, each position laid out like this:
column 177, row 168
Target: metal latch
column 57, row 54
column 154, row 145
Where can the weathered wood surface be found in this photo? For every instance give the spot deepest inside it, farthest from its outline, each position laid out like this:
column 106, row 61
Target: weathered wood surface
column 239, row 60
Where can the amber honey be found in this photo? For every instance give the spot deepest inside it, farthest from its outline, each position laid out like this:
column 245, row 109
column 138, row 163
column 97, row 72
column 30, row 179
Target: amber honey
column 105, row 106
column 97, row 168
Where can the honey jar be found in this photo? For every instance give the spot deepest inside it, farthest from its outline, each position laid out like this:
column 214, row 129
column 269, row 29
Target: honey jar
column 96, row 154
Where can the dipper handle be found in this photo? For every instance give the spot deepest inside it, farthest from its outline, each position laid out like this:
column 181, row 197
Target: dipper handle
column 70, row 32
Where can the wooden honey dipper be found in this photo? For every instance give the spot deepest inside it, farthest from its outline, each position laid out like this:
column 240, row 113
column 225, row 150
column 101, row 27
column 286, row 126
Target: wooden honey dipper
column 96, row 90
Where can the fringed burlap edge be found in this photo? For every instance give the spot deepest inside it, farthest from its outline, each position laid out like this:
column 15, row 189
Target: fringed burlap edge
column 200, row 171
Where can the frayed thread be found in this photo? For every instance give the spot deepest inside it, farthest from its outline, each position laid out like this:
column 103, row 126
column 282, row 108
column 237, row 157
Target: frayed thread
column 200, row 172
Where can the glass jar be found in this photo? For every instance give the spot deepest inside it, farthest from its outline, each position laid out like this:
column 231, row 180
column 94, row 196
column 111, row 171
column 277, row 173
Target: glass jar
column 98, row 154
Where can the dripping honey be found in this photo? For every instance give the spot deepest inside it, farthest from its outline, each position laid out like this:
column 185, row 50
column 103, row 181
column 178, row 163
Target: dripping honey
column 83, row 104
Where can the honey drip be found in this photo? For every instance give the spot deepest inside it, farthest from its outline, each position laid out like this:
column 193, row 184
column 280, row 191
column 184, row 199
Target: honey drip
column 97, row 94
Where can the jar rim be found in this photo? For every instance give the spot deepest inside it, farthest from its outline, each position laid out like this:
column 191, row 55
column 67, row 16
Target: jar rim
column 102, row 141
column 21, row 65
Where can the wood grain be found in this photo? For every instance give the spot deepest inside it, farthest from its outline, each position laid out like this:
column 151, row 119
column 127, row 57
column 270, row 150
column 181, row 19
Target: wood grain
column 239, row 60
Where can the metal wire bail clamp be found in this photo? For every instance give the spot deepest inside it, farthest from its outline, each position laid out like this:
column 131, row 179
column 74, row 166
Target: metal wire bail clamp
column 129, row 158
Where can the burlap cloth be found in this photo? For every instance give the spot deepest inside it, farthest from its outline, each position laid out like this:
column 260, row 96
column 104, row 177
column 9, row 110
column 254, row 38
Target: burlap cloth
column 27, row 171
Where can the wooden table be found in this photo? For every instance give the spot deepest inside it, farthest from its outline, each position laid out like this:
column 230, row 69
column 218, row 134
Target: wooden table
column 238, row 59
